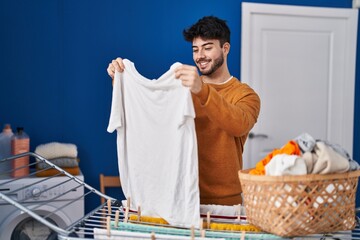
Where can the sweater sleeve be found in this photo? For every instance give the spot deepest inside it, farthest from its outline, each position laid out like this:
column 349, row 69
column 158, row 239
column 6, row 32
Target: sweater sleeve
column 235, row 111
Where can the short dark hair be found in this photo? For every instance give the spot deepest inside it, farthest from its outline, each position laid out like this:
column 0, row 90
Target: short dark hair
column 208, row 27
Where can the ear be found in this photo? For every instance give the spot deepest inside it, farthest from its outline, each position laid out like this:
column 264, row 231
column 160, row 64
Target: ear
column 226, row 48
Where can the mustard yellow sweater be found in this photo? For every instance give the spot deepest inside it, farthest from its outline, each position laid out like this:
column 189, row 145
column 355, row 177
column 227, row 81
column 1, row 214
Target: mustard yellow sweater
column 225, row 113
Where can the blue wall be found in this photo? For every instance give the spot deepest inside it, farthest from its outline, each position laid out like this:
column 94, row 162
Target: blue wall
column 54, row 55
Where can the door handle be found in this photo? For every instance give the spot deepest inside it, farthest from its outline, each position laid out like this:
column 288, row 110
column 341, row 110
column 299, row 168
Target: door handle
column 257, row 135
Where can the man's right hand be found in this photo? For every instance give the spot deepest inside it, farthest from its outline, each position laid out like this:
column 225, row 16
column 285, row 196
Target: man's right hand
column 116, row 64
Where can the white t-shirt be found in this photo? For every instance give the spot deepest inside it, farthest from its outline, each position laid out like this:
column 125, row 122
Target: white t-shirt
column 157, row 147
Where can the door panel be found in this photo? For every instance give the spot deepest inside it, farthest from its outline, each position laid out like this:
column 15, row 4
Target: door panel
column 301, row 62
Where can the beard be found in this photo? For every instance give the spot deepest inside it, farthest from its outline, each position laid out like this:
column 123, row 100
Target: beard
column 218, row 62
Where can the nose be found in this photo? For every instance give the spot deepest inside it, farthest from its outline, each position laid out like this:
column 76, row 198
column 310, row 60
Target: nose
column 199, row 54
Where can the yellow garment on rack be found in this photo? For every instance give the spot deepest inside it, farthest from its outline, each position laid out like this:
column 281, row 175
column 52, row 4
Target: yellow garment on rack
column 291, row 148
column 232, row 227
column 148, row 219
column 213, row 225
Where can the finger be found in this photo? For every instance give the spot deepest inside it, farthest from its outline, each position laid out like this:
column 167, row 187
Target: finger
column 120, row 64
column 186, row 68
column 110, row 72
column 115, row 66
column 185, row 76
column 181, row 73
column 185, row 83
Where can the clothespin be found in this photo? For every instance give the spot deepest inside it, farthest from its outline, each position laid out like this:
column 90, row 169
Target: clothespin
column 109, row 206
column 203, row 233
column 201, row 228
column 152, row 236
column 238, row 213
column 139, row 213
column 192, row 229
column 128, row 203
column 127, row 209
column 126, row 216
column 208, row 220
column 108, row 226
column 242, row 235
column 116, row 218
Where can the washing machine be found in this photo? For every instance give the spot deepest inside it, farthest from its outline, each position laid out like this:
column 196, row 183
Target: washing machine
column 55, row 199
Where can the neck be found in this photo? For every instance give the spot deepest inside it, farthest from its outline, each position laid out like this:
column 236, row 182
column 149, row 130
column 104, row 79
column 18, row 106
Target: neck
column 217, row 77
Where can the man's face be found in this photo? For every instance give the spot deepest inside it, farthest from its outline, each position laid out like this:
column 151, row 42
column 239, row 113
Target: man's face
column 207, row 55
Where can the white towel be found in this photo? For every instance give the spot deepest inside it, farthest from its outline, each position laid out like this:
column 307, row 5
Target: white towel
column 215, row 210
column 222, row 210
column 57, row 150
column 285, row 164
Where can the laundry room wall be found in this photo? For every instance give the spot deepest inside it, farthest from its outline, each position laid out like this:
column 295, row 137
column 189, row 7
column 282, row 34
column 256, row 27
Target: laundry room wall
column 54, row 55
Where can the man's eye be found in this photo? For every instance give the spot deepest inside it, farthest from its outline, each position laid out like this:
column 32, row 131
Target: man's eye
column 195, row 50
column 208, row 49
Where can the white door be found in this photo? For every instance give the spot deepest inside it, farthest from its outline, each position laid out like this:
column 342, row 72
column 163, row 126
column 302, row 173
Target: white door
column 301, row 62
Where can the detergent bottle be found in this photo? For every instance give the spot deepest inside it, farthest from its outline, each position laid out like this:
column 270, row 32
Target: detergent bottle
column 5, row 151
column 20, row 143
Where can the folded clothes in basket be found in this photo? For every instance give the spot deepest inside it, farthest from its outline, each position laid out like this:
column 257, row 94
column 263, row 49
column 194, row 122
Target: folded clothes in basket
column 284, row 164
column 321, row 160
column 305, row 155
column 324, row 159
column 290, row 148
column 337, row 153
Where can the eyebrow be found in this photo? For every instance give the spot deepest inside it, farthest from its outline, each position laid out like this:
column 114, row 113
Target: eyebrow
column 205, row 44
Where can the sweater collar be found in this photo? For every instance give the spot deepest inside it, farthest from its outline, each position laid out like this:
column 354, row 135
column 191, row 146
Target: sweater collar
column 223, row 84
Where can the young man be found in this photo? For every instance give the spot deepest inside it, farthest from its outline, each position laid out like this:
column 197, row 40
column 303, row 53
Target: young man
column 226, row 110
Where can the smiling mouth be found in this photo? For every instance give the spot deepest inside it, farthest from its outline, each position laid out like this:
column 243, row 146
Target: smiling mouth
column 203, row 64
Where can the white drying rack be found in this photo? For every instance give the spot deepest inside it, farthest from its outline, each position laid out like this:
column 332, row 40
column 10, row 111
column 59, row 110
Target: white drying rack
column 112, row 211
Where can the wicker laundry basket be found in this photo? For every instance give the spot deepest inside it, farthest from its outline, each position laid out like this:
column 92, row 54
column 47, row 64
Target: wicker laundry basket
column 300, row 205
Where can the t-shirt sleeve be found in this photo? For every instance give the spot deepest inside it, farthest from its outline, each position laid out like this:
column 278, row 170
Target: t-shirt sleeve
column 116, row 115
